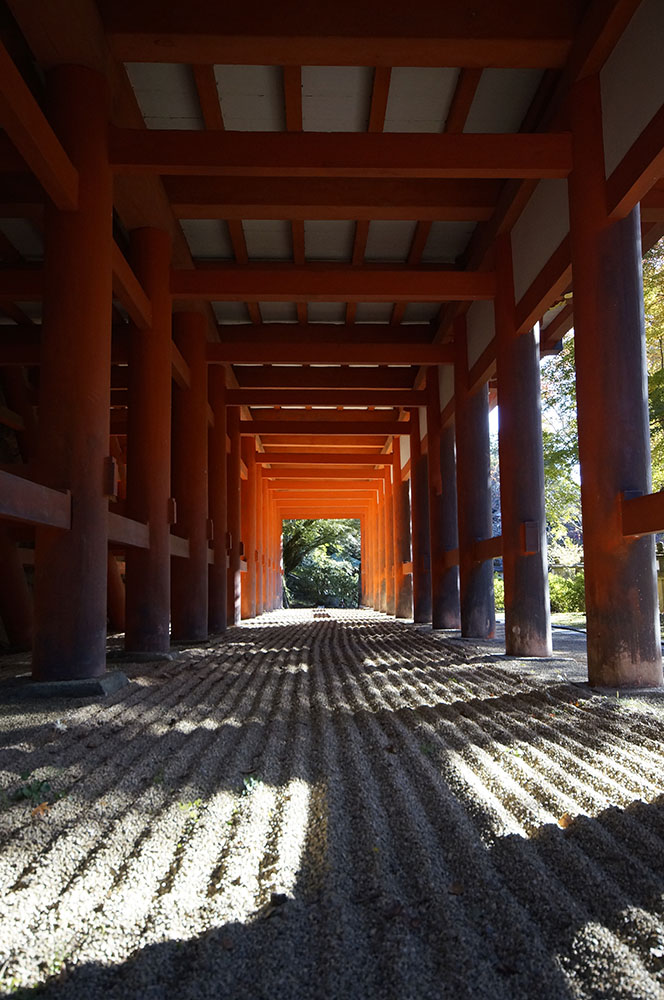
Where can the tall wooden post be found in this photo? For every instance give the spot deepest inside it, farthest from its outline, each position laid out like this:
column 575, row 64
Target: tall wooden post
column 614, row 452
column 15, row 596
column 234, row 517
column 189, row 577
column 74, row 403
column 218, row 499
column 390, row 594
column 403, row 600
column 419, row 511
column 525, row 567
column 258, row 472
column 249, row 528
column 442, row 514
column 148, row 571
column 450, row 611
column 375, row 572
column 473, row 493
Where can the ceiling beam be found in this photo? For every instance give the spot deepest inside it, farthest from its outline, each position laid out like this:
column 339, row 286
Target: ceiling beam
column 320, row 283
column 298, row 377
column 314, row 458
column 324, row 441
column 325, row 397
column 330, row 353
column 300, row 198
column 340, row 154
column 367, row 333
column 297, row 472
column 339, row 428
column 514, row 33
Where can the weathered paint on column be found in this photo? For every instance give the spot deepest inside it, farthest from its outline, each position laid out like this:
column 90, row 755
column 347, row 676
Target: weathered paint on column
column 249, row 528
column 115, row 595
column 189, row 577
column 148, row 571
column 525, row 566
column 445, row 611
column 74, row 399
column 218, row 497
column 234, row 518
column 419, row 511
column 621, row 597
column 403, row 597
column 15, row 596
column 473, row 495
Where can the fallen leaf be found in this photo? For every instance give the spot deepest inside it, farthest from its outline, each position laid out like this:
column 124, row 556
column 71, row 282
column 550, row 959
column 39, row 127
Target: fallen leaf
column 40, row 810
column 565, row 821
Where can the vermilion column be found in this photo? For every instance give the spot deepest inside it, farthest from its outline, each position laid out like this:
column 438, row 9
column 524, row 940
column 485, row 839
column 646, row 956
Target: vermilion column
column 258, row 472
column 74, row 401
column 189, row 577
column 234, row 519
column 442, row 509
column 15, row 597
column 148, row 571
column 419, row 510
column 614, row 452
column 389, row 543
column 249, row 528
column 450, row 612
column 473, row 493
column 375, row 571
column 403, row 599
column 382, row 551
column 218, row 498
column 525, row 568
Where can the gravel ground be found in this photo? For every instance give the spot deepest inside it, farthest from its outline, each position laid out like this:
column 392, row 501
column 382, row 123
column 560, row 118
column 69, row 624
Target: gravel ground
column 334, row 805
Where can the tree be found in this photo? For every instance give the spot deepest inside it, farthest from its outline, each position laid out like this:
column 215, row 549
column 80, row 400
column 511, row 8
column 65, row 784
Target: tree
column 562, row 491
column 653, row 297
column 321, row 562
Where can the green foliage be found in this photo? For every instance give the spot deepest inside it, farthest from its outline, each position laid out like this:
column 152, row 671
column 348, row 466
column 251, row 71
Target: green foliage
column 322, row 562
column 562, row 492
column 567, row 594
column 653, row 296
column 499, row 592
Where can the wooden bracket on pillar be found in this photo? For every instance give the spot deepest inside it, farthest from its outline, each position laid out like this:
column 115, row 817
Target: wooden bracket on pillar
column 530, row 537
column 171, row 511
column 111, row 477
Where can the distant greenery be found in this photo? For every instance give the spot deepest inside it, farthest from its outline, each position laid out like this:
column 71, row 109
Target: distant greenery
column 322, row 563
column 567, row 594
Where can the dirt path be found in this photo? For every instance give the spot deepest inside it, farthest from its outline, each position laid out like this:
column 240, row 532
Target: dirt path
column 334, row 807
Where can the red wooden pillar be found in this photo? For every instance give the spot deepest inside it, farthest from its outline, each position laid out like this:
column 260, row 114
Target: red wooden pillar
column 249, row 528
column 373, row 541
column 189, row 577
column 148, row 571
column 382, row 553
column 473, row 493
column 234, row 518
column 525, row 567
column 363, row 561
column 74, row 404
column 258, row 472
column 403, row 596
column 442, row 513
column 15, row 596
column 390, row 594
column 218, row 497
column 419, row 510
column 621, row 595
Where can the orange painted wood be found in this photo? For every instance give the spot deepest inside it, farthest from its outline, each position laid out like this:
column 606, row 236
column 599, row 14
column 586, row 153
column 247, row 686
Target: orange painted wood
column 218, row 502
column 347, row 154
column 179, row 368
column 406, row 568
column 464, row 94
column 248, row 514
column 325, row 333
column 34, row 138
column 639, row 170
column 127, row 289
column 179, row 546
column 318, row 283
column 350, row 34
column 547, row 287
column 379, row 95
column 325, row 397
column 292, row 76
column 335, row 354
column 643, row 515
column 23, row 500
column 316, row 440
column 267, row 376
column 234, row 507
column 328, row 474
column 208, row 96
column 336, row 427
column 300, row 198
column 316, row 458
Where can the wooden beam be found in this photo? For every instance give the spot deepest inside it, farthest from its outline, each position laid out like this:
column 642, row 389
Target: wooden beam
column 128, row 290
column 546, row 288
column 340, row 154
column 643, row 515
column 314, row 458
column 293, row 97
column 336, row 427
column 126, row 531
column 315, row 353
column 278, row 376
column 318, row 283
column 365, row 333
column 379, row 95
column 511, row 34
column 179, row 547
column 324, row 440
column 639, row 170
column 464, row 95
column 179, row 368
column 236, row 198
column 23, row 500
column 27, row 127
column 325, row 397
column 488, row 548
column 208, row 96
column 318, row 491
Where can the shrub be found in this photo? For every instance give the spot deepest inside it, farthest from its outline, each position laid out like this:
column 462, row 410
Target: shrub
column 567, row 595
column 499, row 592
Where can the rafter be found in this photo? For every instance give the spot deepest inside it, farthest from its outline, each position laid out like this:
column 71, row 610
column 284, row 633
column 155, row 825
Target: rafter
column 325, row 397
column 330, row 353
column 314, row 458
column 338, row 428
column 208, row 96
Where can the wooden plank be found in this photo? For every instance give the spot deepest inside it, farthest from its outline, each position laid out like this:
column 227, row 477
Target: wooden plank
column 328, row 474
column 179, row 547
column 208, row 96
column 27, row 127
column 271, row 376
column 643, row 515
column 324, row 458
column 639, row 170
column 488, row 548
column 23, row 500
column 340, row 154
column 126, row 531
column 546, row 288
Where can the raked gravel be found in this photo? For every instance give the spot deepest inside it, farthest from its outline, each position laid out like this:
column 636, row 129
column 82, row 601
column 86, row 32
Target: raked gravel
column 334, row 805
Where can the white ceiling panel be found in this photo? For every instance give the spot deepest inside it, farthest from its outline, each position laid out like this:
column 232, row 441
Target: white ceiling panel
column 446, row 241
column 278, row 312
column 420, row 312
column 502, row 99
column 326, row 312
column 329, row 240
column 389, row 240
column 268, row 239
column 374, row 312
column 419, row 99
column 231, row 313
column 166, row 94
column 24, row 237
column 336, row 98
column 252, row 98
column 208, row 239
